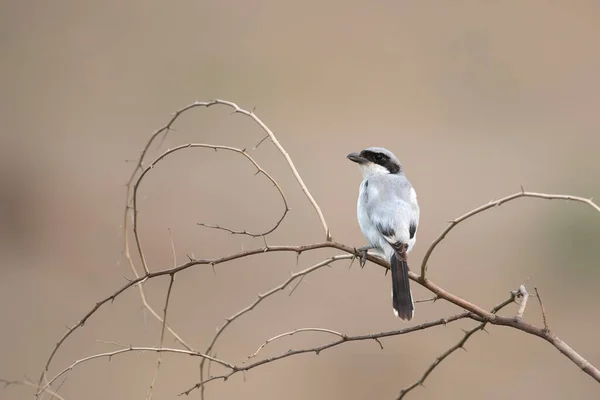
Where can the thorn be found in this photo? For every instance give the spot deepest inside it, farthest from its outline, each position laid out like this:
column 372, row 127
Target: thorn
column 522, row 190
column 212, row 264
column 351, row 262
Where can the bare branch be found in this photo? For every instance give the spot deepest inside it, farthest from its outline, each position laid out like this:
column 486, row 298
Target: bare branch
column 214, row 147
column 522, row 293
column 282, row 151
column 431, row 299
column 537, row 294
column 291, row 333
column 478, row 313
column 132, row 349
column 27, row 382
column 473, row 311
column 270, row 178
column 459, row 345
column 162, row 335
column 497, row 203
column 264, row 127
column 317, row 350
column 261, row 297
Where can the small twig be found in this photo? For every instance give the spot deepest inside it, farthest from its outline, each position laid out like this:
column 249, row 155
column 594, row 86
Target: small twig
column 142, row 169
column 261, row 297
column 59, row 387
column 431, row 299
column 214, row 147
column 459, row 345
column 537, row 294
column 317, row 350
column 162, row 336
column 121, row 345
column 293, row 289
column 290, row 333
column 27, row 382
column 497, row 203
column 522, row 293
column 260, row 142
column 481, row 313
column 134, row 349
column 283, row 152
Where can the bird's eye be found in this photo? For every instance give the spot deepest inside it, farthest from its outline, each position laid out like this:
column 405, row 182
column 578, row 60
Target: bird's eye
column 379, row 156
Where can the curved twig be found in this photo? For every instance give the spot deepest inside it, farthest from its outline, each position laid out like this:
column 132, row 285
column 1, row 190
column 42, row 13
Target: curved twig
column 131, row 349
column 459, row 345
column 319, row 349
column 27, row 382
column 497, row 203
column 291, row 333
column 283, row 152
column 477, row 311
column 162, row 334
column 261, row 297
column 214, row 147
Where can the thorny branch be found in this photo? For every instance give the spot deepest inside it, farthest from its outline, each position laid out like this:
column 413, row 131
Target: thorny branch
column 459, row 345
column 130, row 223
column 162, row 337
column 291, row 333
column 27, row 382
column 261, row 297
column 497, row 203
column 543, row 310
column 344, row 339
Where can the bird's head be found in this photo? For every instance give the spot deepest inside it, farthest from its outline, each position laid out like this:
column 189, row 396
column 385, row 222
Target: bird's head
column 376, row 161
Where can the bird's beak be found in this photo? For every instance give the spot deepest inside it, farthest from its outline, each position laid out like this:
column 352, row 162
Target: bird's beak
column 357, row 158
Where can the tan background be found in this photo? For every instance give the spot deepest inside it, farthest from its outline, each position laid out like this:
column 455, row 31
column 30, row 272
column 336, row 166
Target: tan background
column 474, row 99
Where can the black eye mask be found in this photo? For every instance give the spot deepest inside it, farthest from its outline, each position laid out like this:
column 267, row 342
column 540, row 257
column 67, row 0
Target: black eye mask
column 381, row 159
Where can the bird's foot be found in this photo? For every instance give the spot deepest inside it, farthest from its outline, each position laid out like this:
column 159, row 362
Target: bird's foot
column 361, row 253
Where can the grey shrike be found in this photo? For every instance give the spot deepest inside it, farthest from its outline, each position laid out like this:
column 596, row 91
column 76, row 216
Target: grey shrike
column 388, row 215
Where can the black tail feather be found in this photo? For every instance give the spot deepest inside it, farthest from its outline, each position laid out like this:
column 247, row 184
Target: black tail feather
column 401, row 295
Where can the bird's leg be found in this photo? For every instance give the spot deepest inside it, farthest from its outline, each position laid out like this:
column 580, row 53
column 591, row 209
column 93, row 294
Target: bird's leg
column 362, row 253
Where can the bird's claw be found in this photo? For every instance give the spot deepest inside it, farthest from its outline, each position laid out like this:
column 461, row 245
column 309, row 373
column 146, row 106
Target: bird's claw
column 363, row 258
column 361, row 254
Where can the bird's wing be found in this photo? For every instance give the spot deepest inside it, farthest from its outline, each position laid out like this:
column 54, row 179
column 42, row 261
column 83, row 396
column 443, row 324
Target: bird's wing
column 391, row 212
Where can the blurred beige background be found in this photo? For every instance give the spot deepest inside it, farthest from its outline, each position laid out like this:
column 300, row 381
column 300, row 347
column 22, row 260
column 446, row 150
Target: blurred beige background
column 475, row 100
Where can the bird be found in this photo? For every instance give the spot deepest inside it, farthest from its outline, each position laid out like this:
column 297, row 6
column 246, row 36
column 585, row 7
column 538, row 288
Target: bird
column 388, row 215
